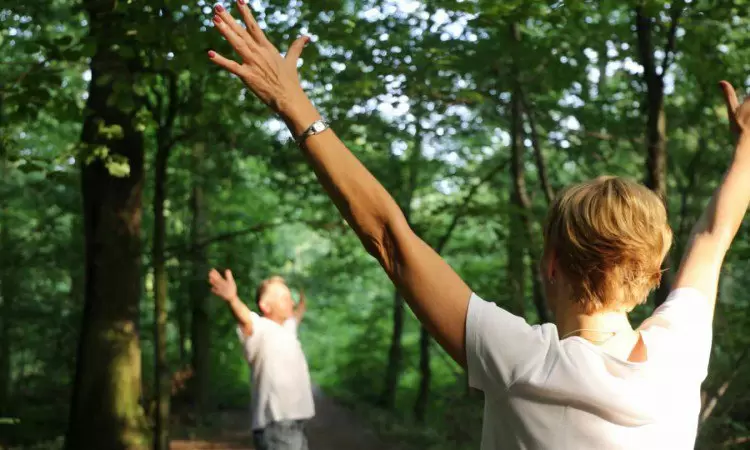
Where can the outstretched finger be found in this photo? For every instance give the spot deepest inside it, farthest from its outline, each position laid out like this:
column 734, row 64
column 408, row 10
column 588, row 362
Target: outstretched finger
column 733, row 103
column 730, row 97
column 295, row 50
column 233, row 38
column 233, row 25
column 253, row 28
column 233, row 67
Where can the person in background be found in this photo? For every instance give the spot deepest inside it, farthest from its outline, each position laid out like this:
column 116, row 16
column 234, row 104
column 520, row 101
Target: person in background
column 590, row 380
column 282, row 399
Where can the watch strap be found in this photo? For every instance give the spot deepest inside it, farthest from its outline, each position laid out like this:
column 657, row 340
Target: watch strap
column 316, row 127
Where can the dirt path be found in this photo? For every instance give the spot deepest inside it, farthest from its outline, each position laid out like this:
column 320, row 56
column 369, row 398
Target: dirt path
column 333, row 428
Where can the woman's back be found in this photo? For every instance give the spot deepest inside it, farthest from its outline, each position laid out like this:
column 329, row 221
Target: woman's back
column 547, row 393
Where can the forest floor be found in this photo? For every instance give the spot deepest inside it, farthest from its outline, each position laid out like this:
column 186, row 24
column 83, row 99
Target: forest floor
column 334, row 427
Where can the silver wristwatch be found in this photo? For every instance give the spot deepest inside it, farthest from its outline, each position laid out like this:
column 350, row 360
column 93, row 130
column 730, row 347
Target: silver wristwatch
column 317, row 127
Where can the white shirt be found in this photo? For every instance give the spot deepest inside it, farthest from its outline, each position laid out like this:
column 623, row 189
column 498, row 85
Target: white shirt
column 544, row 393
column 280, row 378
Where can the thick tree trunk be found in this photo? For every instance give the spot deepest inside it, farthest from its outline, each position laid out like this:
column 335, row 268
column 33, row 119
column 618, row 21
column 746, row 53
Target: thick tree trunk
column 199, row 293
column 161, row 365
column 105, row 411
column 425, row 371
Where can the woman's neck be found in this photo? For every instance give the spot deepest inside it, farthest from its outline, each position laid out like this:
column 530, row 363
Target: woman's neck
column 595, row 327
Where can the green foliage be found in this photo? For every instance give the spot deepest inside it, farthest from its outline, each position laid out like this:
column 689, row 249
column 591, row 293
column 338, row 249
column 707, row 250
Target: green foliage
column 420, row 92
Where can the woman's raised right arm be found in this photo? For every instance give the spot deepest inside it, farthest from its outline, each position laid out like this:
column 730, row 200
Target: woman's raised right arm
column 715, row 230
column 432, row 289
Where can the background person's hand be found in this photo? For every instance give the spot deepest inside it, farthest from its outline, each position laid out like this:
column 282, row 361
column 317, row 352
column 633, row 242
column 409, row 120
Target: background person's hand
column 224, row 287
column 739, row 114
column 270, row 76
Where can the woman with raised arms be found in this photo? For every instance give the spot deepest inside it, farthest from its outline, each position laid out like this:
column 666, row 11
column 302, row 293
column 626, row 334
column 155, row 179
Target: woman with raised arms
column 589, row 380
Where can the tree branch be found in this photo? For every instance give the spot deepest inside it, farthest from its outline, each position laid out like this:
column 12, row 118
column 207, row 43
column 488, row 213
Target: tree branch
column 541, row 165
column 678, row 7
column 710, row 405
column 464, row 206
column 257, row 228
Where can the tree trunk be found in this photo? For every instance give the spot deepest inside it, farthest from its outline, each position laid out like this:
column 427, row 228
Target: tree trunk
column 199, row 293
column 420, row 406
column 656, row 130
column 161, row 365
column 522, row 241
column 105, row 412
column 393, row 370
column 7, row 294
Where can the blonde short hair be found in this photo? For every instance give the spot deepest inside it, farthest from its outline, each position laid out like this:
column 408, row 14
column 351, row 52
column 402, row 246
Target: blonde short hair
column 265, row 284
column 610, row 236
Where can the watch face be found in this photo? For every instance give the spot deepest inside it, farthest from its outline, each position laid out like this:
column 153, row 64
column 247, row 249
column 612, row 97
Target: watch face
column 318, row 127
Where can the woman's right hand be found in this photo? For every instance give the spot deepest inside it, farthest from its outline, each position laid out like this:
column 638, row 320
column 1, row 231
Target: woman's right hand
column 739, row 114
column 271, row 77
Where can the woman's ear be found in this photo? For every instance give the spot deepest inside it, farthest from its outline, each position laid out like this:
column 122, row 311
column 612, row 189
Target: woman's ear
column 263, row 306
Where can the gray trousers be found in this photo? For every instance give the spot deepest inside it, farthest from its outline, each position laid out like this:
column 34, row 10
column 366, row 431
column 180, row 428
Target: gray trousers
column 282, row 435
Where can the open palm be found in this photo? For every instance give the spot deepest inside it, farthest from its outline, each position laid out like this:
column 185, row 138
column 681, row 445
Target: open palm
column 224, row 287
column 270, row 76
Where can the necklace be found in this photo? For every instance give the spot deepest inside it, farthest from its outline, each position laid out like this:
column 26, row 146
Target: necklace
column 613, row 333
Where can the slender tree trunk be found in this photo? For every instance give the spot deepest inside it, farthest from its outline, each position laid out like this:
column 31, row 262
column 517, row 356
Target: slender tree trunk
column 161, row 366
column 395, row 352
column 395, row 356
column 199, row 294
column 425, row 371
column 105, row 411
column 183, row 319
column 522, row 239
column 77, row 283
column 6, row 292
column 656, row 130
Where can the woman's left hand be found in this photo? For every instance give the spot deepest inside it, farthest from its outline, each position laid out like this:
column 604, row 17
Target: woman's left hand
column 271, row 77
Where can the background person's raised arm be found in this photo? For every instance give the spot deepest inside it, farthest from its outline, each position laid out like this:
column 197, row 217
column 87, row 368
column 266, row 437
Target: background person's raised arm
column 713, row 233
column 434, row 291
column 301, row 308
column 226, row 289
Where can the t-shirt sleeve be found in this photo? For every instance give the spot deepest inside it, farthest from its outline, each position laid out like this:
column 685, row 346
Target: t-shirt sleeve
column 249, row 342
column 291, row 325
column 687, row 316
column 501, row 347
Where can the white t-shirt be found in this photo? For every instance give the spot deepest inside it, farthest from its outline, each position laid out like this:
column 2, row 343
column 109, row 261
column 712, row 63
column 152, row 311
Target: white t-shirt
column 281, row 388
column 544, row 393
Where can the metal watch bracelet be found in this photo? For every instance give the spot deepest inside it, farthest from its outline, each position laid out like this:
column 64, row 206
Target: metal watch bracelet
column 317, row 127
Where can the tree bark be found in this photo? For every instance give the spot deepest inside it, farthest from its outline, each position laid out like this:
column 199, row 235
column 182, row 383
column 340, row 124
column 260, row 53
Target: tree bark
column 161, row 366
column 105, row 412
column 162, row 376
column 7, row 293
column 656, row 130
column 521, row 240
column 536, row 145
column 395, row 352
column 425, row 371
column 199, row 294
column 393, row 369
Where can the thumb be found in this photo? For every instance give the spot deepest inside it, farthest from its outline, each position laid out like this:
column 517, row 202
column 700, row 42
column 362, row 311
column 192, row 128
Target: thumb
column 295, row 50
column 730, row 97
column 228, row 275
